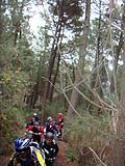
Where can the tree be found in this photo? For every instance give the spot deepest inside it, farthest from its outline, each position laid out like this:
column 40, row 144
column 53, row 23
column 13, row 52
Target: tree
column 118, row 157
column 82, row 53
column 66, row 16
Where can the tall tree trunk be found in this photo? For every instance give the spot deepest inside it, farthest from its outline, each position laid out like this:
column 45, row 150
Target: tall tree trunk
column 1, row 22
column 52, row 62
column 118, row 152
column 54, row 50
column 17, row 21
column 57, row 67
column 97, row 74
column 118, row 49
column 113, row 86
column 83, row 47
column 54, row 79
column 36, row 90
column 2, row 11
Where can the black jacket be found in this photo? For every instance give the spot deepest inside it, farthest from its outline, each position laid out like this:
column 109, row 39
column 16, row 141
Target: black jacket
column 51, row 128
column 50, row 150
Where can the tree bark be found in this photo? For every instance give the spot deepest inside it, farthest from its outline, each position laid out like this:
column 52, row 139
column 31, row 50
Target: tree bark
column 98, row 74
column 54, row 79
column 53, row 56
column 118, row 49
column 1, row 22
column 95, row 76
column 17, row 22
column 118, row 151
column 2, row 11
column 83, row 47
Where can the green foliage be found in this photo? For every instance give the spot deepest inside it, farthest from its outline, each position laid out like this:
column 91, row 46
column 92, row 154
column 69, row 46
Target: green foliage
column 53, row 108
column 70, row 13
column 71, row 155
column 21, row 68
column 88, row 131
column 12, row 126
column 12, row 116
column 14, row 84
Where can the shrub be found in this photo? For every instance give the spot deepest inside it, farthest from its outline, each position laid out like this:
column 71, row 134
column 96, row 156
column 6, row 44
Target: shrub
column 88, row 131
column 12, row 125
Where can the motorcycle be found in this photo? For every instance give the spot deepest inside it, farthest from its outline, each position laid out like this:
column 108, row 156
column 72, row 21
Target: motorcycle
column 37, row 154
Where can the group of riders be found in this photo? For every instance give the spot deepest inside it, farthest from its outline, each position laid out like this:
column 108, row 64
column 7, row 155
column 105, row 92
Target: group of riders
column 39, row 145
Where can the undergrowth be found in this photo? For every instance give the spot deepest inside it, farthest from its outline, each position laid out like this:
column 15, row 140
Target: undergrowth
column 87, row 131
column 12, row 126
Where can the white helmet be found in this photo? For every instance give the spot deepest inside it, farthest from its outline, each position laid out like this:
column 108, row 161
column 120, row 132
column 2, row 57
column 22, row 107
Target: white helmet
column 49, row 118
column 35, row 114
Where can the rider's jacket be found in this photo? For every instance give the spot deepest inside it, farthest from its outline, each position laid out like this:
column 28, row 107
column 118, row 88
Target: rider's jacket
column 35, row 121
column 60, row 123
column 50, row 151
column 34, row 158
column 51, row 127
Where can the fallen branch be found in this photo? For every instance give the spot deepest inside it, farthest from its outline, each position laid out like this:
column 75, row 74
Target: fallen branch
column 97, row 157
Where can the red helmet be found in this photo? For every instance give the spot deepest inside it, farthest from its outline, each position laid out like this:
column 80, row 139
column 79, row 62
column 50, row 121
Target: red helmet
column 60, row 116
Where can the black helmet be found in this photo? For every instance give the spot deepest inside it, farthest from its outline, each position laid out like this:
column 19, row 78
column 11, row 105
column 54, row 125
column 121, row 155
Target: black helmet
column 49, row 135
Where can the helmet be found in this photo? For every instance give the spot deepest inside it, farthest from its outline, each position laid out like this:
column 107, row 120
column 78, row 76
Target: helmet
column 49, row 135
column 49, row 118
column 60, row 115
column 35, row 114
column 21, row 144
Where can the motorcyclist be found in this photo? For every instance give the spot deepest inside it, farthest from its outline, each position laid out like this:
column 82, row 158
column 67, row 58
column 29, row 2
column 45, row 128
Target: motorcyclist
column 50, row 126
column 25, row 155
column 60, row 117
column 35, row 119
column 50, row 148
column 36, row 132
column 60, row 123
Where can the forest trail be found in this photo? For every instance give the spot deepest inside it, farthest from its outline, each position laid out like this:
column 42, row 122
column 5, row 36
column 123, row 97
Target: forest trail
column 4, row 160
column 62, row 158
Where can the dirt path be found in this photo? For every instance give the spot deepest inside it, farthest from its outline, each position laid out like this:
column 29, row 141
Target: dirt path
column 62, row 159
column 4, row 160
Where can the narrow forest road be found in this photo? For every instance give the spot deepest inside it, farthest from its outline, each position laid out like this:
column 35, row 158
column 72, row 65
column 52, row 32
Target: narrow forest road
column 62, row 159
column 4, row 160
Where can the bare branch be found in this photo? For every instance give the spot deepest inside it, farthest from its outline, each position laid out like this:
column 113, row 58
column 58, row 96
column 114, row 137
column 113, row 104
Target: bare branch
column 97, row 157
